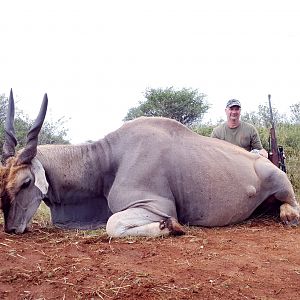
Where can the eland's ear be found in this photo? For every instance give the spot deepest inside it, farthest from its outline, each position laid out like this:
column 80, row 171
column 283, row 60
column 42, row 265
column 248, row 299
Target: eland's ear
column 10, row 141
column 29, row 152
column 40, row 177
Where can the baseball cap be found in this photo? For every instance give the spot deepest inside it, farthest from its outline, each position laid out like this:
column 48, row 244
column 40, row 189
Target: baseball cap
column 233, row 102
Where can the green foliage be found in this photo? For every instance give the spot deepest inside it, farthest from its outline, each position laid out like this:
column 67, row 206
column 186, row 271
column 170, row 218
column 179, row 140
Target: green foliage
column 262, row 118
column 51, row 133
column 295, row 113
column 186, row 105
column 288, row 135
column 293, row 167
column 205, row 130
column 3, row 106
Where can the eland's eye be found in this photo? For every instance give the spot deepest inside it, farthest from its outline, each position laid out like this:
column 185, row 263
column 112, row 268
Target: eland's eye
column 26, row 183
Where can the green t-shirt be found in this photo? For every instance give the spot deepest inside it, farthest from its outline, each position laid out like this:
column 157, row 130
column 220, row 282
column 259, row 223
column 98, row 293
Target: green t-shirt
column 245, row 135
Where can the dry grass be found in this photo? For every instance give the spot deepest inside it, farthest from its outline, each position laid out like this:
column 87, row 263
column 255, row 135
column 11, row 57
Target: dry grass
column 43, row 216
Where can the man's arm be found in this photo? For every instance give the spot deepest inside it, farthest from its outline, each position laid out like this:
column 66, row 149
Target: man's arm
column 256, row 143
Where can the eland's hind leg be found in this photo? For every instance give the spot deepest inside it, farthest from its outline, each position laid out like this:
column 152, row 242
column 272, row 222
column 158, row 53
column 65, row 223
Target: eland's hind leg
column 276, row 182
column 290, row 209
column 289, row 214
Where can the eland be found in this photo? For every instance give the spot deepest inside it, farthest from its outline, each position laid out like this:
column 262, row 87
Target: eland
column 144, row 179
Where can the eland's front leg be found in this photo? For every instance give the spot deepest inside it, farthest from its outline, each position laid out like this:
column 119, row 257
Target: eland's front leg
column 140, row 222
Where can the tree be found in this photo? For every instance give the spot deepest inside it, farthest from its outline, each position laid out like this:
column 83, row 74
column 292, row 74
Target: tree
column 295, row 111
column 186, row 105
column 52, row 132
column 262, row 118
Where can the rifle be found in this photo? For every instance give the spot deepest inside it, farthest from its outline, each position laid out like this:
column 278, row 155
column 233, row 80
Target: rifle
column 276, row 153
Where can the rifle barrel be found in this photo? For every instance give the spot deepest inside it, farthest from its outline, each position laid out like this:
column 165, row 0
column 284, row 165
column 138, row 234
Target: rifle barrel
column 271, row 112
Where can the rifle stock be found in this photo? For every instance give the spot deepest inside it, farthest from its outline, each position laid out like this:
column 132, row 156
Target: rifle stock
column 273, row 148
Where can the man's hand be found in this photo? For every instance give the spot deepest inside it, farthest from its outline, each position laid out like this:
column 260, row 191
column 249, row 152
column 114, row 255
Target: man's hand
column 263, row 152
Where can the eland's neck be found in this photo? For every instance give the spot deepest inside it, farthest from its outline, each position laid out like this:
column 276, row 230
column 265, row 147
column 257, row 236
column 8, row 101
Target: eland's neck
column 78, row 167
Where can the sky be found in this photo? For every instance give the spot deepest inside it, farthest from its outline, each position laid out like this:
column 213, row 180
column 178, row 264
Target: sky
column 95, row 58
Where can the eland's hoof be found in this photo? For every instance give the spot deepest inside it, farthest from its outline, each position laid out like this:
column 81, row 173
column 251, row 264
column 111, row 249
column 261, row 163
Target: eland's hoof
column 172, row 225
column 290, row 215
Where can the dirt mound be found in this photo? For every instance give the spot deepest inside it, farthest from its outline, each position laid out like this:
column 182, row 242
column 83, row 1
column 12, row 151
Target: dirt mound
column 256, row 260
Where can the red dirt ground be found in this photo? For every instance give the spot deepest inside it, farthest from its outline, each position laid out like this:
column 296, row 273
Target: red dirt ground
column 259, row 259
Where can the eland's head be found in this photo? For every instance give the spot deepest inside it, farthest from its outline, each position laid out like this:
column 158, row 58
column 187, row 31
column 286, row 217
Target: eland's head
column 22, row 178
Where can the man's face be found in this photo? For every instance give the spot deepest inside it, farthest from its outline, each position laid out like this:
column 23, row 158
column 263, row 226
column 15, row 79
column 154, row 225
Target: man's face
column 233, row 113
